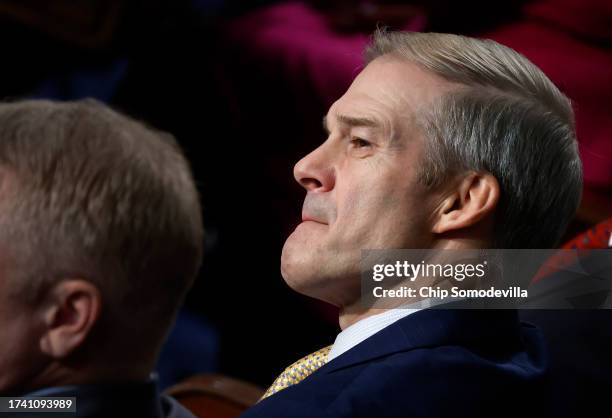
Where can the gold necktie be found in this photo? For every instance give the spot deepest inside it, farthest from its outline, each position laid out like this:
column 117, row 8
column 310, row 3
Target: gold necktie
column 298, row 371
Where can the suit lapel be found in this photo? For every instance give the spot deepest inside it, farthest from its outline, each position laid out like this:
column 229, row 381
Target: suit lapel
column 435, row 327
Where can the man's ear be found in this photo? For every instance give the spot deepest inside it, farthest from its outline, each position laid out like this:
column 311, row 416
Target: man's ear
column 472, row 199
column 69, row 314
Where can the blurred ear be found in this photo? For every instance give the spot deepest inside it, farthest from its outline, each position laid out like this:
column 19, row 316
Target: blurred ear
column 475, row 197
column 70, row 312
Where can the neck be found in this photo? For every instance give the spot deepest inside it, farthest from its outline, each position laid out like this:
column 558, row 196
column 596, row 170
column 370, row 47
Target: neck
column 59, row 373
column 352, row 314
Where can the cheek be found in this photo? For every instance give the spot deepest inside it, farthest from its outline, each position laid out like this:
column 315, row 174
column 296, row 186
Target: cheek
column 375, row 216
column 19, row 353
column 368, row 204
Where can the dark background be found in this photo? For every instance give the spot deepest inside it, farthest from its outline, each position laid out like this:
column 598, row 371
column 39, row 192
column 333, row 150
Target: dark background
column 243, row 121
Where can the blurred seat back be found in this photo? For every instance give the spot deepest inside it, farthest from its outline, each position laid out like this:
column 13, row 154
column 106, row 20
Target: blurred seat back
column 215, row 396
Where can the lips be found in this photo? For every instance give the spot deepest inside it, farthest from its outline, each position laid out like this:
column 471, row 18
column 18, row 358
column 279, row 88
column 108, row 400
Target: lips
column 308, row 218
column 317, row 209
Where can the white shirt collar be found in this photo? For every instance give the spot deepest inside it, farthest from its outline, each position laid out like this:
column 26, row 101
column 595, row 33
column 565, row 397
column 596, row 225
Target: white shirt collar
column 364, row 329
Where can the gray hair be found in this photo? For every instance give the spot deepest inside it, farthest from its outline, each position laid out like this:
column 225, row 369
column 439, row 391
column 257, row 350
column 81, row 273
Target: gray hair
column 507, row 119
column 89, row 193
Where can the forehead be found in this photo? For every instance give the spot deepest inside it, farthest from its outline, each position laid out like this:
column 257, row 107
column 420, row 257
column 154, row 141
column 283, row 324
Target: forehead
column 390, row 88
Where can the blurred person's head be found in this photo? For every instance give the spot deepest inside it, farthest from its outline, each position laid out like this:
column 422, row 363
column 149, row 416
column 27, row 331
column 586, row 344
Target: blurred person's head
column 441, row 141
column 100, row 239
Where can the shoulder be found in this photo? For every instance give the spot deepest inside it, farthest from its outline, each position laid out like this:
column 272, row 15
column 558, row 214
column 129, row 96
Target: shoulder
column 442, row 364
column 440, row 381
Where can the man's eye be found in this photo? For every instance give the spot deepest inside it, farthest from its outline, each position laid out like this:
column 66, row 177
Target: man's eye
column 360, row 143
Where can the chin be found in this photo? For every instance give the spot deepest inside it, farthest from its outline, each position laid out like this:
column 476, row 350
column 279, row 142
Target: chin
column 291, row 270
column 298, row 270
column 306, row 277
column 295, row 253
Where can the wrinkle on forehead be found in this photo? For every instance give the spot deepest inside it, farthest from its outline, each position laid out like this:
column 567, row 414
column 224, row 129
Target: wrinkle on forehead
column 394, row 91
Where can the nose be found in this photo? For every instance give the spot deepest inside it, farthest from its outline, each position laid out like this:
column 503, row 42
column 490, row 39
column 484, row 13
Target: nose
column 315, row 172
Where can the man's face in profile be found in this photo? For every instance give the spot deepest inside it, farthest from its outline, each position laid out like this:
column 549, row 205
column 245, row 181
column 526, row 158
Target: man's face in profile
column 361, row 183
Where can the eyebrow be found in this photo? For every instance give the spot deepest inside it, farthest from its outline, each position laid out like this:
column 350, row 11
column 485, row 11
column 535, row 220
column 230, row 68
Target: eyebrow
column 353, row 122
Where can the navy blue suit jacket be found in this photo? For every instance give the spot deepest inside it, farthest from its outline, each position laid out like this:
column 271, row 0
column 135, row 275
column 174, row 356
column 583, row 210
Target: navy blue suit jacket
column 433, row 363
